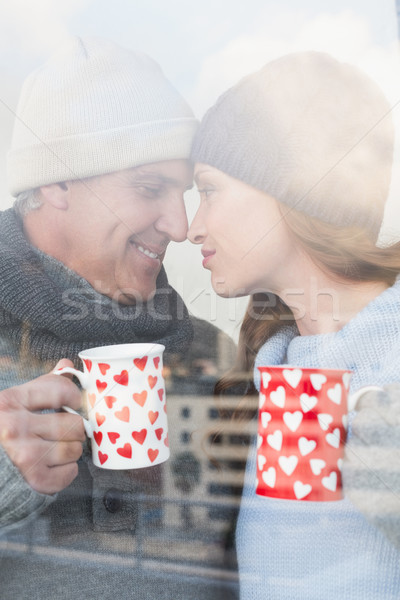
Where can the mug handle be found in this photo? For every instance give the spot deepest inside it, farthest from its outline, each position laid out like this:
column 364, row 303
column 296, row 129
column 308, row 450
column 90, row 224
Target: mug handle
column 354, row 398
column 83, row 380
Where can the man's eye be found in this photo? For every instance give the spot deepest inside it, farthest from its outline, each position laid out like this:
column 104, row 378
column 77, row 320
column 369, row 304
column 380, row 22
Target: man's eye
column 149, row 191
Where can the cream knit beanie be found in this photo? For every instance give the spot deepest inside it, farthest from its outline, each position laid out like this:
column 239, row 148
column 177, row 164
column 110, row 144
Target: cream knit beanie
column 95, row 108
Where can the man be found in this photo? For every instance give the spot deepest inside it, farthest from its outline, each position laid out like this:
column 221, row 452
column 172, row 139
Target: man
column 99, row 168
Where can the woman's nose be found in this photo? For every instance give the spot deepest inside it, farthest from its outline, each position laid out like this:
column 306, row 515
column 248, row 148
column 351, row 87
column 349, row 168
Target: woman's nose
column 197, row 231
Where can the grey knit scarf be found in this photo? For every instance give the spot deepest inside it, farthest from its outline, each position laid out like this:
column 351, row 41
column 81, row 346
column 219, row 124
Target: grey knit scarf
column 56, row 313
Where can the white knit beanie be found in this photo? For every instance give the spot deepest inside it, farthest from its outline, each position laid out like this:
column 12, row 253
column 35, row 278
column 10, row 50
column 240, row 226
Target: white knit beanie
column 95, row 108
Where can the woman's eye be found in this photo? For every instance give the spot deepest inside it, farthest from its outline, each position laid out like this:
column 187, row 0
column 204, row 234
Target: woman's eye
column 205, row 192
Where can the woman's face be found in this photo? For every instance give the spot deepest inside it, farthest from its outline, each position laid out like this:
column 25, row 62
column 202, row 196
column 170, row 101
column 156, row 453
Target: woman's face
column 245, row 242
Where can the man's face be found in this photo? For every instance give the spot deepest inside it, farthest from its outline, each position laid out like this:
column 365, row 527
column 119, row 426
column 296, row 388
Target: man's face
column 118, row 226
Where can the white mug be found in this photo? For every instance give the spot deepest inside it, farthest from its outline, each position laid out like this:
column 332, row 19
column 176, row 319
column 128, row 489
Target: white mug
column 126, row 404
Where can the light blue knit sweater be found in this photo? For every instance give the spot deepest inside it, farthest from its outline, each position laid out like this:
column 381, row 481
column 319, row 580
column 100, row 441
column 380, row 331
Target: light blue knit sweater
column 293, row 550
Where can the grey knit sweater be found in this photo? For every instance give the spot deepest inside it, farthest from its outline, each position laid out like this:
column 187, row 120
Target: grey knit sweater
column 106, row 535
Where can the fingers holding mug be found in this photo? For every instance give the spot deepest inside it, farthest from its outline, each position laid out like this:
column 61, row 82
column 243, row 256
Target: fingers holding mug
column 38, row 442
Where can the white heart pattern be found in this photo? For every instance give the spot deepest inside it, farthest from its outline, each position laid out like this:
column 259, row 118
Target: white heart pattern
column 333, row 438
column 317, row 464
column 307, row 402
column 324, row 421
column 261, row 461
column 288, row 463
column 335, row 394
column 269, row 477
column 306, row 446
column 301, row 490
column 278, row 397
column 346, row 380
column 330, row 482
column 266, row 378
column 299, row 446
column 275, row 440
column 265, row 419
column 259, row 441
column 292, row 376
column 293, row 420
column 317, row 380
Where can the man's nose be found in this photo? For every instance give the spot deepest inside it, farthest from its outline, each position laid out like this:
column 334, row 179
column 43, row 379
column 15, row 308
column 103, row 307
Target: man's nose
column 173, row 220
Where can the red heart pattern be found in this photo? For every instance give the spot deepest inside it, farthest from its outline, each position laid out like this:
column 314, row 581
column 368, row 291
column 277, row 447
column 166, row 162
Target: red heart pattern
column 100, row 419
column 140, row 363
column 102, row 457
column 110, row 400
column 113, row 436
column 122, row 378
column 101, row 385
column 139, row 436
column 132, row 429
column 125, row 451
column 301, row 433
column 153, row 453
column 88, row 364
column 152, row 381
column 123, row 414
column 140, row 398
column 103, row 368
column 153, row 416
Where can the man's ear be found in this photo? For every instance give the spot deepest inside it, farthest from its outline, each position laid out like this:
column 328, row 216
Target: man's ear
column 56, row 195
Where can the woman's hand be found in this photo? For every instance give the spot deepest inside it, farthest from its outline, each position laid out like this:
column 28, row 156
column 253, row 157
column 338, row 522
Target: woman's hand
column 371, row 469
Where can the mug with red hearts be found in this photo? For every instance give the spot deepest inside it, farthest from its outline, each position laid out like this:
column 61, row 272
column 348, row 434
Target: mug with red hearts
column 302, row 429
column 126, row 404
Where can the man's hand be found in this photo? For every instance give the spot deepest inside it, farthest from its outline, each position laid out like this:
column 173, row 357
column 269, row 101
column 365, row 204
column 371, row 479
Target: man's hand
column 44, row 447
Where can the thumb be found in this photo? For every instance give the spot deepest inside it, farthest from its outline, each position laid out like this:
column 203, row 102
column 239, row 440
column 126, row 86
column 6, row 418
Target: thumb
column 63, row 362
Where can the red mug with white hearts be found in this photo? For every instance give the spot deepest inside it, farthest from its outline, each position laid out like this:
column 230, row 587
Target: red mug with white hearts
column 126, row 404
column 302, row 429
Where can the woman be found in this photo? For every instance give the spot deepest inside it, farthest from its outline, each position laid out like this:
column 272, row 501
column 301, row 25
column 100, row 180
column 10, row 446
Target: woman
column 293, row 169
